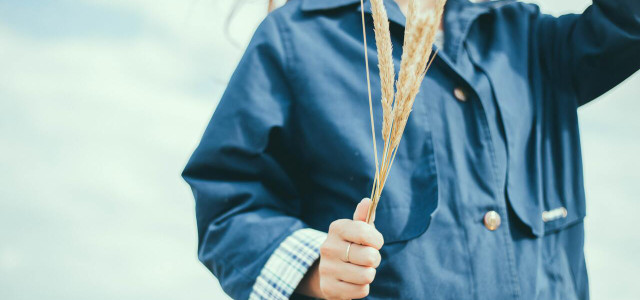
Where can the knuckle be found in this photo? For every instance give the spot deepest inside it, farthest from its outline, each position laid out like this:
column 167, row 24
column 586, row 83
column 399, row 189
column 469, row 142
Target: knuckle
column 333, row 225
column 369, row 235
column 367, row 256
column 377, row 258
column 369, row 275
column 325, row 249
column 362, row 291
column 371, row 239
column 363, row 227
column 375, row 238
column 372, row 257
column 337, row 226
column 380, row 238
column 368, row 260
column 361, row 233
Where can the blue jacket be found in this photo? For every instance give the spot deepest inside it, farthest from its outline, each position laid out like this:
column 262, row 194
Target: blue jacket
column 494, row 128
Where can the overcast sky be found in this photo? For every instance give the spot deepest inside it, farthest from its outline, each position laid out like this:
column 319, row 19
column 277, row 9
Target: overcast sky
column 102, row 103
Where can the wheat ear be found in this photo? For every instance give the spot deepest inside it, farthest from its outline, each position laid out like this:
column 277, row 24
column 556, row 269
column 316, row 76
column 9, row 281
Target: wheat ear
column 420, row 31
column 386, row 68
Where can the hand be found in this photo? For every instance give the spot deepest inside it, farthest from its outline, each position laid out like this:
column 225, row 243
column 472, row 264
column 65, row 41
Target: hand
column 342, row 277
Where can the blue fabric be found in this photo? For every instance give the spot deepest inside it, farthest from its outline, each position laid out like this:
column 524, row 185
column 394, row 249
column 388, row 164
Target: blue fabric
column 289, row 147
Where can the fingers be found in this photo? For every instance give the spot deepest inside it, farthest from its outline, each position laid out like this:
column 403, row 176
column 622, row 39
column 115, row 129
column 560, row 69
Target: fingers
column 358, row 255
column 348, row 272
column 364, row 256
column 357, row 232
column 341, row 280
column 362, row 210
column 351, row 273
column 336, row 289
column 347, row 276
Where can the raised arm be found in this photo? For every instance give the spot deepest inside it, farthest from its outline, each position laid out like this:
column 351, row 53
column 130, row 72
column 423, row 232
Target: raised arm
column 592, row 52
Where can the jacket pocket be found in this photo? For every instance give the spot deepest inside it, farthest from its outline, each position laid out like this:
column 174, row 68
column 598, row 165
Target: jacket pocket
column 550, row 214
column 558, row 213
column 410, row 196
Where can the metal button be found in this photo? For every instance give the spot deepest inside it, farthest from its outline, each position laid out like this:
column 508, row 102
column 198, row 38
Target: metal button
column 492, row 220
column 460, row 94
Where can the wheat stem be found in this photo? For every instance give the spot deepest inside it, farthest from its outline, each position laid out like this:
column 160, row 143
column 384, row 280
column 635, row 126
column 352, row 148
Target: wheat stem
column 366, row 63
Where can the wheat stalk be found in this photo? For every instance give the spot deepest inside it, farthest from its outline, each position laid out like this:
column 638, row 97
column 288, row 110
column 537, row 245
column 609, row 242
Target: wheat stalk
column 420, row 32
column 386, row 69
column 366, row 63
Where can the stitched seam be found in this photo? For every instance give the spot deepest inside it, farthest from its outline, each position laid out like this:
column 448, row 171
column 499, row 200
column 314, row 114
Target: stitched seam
column 515, row 279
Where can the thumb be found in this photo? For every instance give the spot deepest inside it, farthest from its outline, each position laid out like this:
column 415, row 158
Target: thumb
column 362, row 209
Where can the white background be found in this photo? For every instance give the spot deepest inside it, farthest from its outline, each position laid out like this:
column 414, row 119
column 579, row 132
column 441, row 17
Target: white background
column 101, row 104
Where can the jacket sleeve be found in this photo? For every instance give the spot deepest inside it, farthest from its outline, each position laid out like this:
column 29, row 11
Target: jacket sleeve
column 240, row 174
column 592, row 52
column 287, row 265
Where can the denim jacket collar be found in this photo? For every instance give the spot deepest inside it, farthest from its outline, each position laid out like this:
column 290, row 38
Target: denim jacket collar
column 459, row 15
column 318, row 5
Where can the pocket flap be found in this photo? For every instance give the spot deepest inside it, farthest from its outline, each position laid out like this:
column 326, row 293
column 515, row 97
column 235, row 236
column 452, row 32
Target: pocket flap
column 550, row 214
column 407, row 205
column 399, row 224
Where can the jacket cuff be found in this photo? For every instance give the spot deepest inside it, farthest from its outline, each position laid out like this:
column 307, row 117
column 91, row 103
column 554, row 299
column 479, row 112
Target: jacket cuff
column 287, row 265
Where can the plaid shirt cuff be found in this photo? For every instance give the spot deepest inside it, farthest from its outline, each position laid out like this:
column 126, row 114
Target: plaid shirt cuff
column 288, row 264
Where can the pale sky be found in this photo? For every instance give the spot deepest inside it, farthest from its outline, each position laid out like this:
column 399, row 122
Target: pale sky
column 103, row 102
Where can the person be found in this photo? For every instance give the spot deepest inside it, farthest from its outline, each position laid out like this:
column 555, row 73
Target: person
column 485, row 199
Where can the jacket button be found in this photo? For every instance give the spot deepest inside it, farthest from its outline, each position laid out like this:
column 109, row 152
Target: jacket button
column 460, row 94
column 492, row 220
